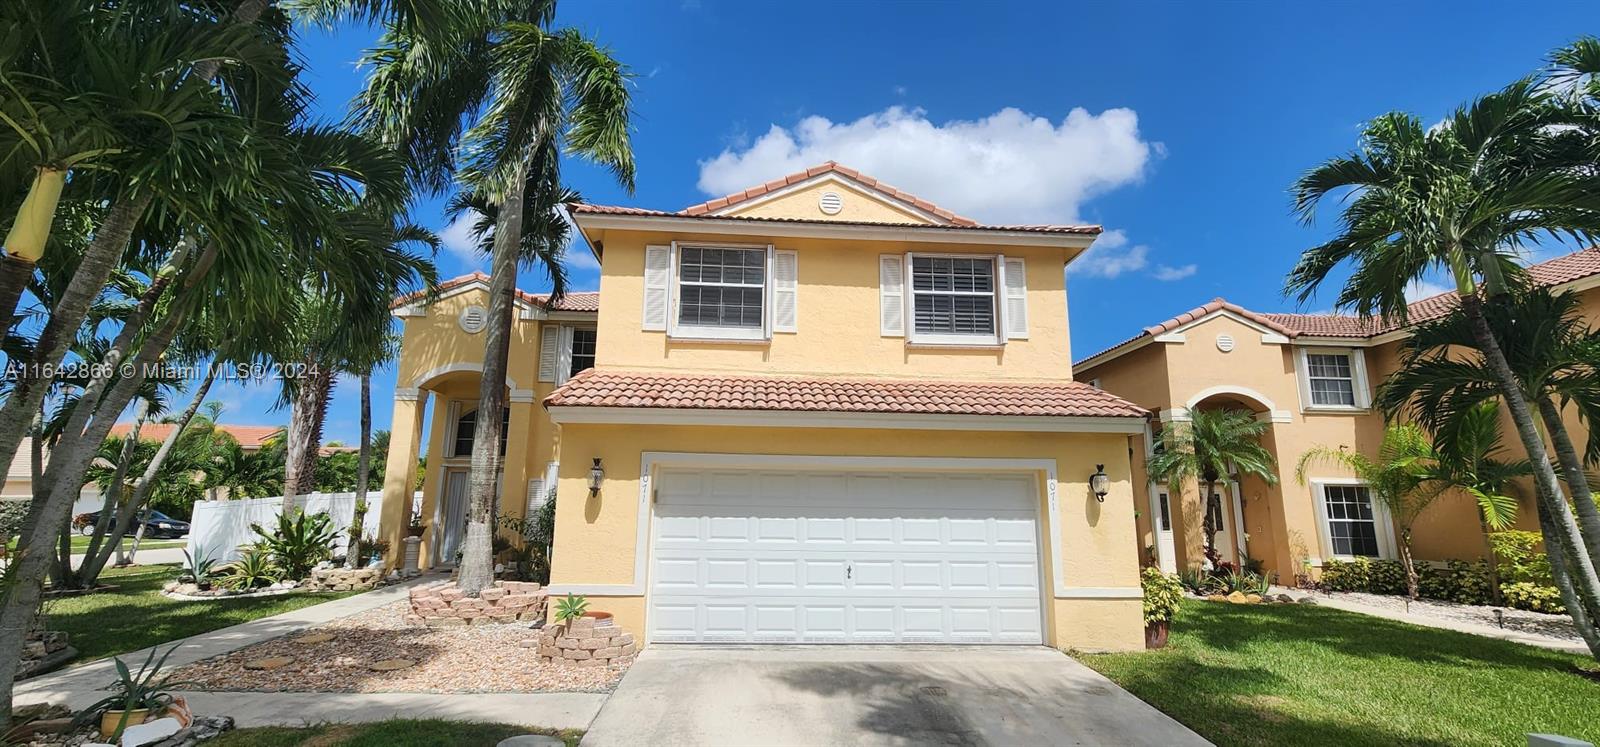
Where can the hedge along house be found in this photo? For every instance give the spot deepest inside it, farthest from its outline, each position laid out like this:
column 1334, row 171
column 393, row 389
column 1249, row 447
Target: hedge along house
column 820, row 410
column 1313, row 377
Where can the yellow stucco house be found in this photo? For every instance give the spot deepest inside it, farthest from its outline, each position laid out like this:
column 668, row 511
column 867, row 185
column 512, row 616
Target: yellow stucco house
column 819, row 410
column 1313, row 377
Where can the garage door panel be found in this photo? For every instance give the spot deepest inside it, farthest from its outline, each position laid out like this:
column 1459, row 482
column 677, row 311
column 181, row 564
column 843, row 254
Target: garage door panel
column 841, row 557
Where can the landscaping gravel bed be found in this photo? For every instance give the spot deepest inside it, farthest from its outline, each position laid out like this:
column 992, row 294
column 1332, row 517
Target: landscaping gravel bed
column 477, row 658
column 1537, row 623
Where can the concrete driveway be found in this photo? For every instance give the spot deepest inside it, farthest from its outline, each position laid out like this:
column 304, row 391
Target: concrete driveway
column 870, row 695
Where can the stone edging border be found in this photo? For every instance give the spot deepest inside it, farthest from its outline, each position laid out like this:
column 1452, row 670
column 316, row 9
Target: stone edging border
column 215, row 597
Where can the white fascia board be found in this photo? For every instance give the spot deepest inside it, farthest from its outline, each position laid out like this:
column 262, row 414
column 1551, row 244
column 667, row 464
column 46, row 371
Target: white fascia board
column 838, row 231
column 408, row 311
column 834, row 178
column 805, row 419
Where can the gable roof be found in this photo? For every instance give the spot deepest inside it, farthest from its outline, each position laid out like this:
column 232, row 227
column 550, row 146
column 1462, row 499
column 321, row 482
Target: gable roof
column 715, row 209
column 251, row 437
column 581, row 301
column 1564, row 269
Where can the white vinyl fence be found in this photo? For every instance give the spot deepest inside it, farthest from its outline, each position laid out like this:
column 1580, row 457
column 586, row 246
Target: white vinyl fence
column 218, row 529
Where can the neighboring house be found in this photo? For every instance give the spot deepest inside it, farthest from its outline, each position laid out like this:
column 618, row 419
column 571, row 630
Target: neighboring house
column 1313, row 376
column 250, row 437
column 819, row 410
column 19, row 481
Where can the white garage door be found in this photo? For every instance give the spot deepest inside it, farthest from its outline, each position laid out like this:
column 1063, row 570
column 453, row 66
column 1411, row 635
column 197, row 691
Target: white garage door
column 844, row 557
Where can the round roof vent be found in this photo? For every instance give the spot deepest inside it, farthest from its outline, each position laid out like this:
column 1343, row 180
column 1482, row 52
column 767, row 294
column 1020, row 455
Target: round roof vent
column 1225, row 343
column 830, row 203
column 473, row 319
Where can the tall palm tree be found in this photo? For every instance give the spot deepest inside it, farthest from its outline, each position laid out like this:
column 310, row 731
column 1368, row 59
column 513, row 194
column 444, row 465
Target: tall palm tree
column 1463, row 196
column 1467, row 449
column 1404, row 477
column 1213, row 445
column 511, row 95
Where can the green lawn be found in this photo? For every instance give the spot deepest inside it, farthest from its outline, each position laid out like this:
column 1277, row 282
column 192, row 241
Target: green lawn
column 136, row 616
column 81, row 543
column 404, row 733
column 1305, row 675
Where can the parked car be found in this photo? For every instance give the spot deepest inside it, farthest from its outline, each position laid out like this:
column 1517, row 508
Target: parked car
column 157, row 525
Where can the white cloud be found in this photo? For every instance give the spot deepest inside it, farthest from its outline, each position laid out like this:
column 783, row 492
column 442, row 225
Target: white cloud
column 1110, row 256
column 1420, row 289
column 459, row 239
column 1008, row 167
column 1167, row 274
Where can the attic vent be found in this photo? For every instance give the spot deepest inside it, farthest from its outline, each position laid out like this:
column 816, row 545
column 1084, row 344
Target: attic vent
column 830, row 203
column 473, row 319
column 1225, row 343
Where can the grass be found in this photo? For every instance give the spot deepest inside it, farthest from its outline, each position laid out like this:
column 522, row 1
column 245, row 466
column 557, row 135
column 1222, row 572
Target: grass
column 137, row 616
column 81, row 543
column 1281, row 674
column 399, row 733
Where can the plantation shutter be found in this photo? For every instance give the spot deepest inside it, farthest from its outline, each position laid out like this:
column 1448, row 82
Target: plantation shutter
column 892, row 295
column 564, row 355
column 785, row 288
column 535, row 497
column 1016, row 298
column 549, row 351
column 657, row 286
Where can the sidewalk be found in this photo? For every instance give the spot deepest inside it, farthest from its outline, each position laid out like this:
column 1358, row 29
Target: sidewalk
column 83, row 685
column 1430, row 621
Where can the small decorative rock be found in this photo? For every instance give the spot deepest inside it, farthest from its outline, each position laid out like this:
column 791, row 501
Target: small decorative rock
column 1307, row 600
column 1253, row 598
column 275, row 662
column 314, row 638
column 203, row 729
column 1216, row 598
column 1238, row 597
column 1285, row 598
column 391, row 665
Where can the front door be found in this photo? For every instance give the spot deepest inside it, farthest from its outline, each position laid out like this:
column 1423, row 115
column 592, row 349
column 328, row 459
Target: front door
column 450, row 517
column 1224, row 516
column 1161, row 526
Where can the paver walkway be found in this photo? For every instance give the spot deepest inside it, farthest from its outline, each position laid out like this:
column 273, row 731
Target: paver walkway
column 1430, row 621
column 83, row 685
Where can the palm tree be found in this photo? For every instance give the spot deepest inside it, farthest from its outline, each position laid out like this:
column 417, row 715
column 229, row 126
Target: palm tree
column 1466, row 451
column 1211, row 446
column 512, row 96
column 1404, row 477
column 1463, row 196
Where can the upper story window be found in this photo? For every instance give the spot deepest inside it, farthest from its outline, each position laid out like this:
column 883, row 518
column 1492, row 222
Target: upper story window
column 1333, row 379
column 953, row 297
column 582, row 351
column 722, row 288
column 564, row 350
column 466, row 431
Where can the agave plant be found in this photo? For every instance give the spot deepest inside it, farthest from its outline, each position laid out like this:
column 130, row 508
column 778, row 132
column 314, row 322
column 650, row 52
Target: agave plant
column 197, row 569
column 300, row 542
column 253, row 568
column 571, row 607
column 136, row 691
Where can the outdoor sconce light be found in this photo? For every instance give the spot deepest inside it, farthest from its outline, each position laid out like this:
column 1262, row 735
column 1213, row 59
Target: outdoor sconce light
column 597, row 475
column 1100, row 483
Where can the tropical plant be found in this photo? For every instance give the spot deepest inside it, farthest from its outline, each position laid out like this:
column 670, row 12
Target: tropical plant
column 571, row 607
column 1464, row 196
column 300, row 541
column 255, row 567
column 135, row 691
column 513, row 97
column 1211, row 446
column 1198, row 581
column 1163, row 594
column 1402, row 477
column 198, row 569
column 1519, row 558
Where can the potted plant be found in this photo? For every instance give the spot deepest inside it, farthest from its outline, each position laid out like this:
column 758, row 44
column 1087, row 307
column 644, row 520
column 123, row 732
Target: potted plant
column 571, row 607
column 416, row 527
column 1162, row 594
column 137, row 696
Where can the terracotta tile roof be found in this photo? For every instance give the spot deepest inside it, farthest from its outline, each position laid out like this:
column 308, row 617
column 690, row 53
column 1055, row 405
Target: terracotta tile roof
column 818, row 170
column 1564, row 269
column 584, row 301
column 705, row 209
column 605, row 388
column 250, row 437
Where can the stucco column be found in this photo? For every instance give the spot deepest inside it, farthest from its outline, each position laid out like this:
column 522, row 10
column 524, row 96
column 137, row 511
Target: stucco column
column 400, row 471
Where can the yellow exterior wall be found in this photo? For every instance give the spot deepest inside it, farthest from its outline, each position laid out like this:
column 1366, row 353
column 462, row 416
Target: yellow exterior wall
column 838, row 317
column 596, row 542
column 858, row 206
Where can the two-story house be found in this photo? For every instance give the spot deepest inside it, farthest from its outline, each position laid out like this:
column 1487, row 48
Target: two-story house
column 818, row 410
column 1313, row 377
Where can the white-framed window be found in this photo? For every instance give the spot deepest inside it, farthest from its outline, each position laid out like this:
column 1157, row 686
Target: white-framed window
column 1333, row 379
column 1353, row 523
column 581, row 351
column 720, row 291
column 466, row 430
column 953, row 299
column 564, row 350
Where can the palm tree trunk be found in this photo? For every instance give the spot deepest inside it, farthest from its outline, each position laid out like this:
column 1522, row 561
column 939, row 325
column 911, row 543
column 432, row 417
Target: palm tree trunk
column 1492, row 560
column 1561, row 531
column 25, row 241
column 477, row 561
column 1209, row 527
column 94, row 563
column 1408, row 563
column 1581, row 619
column 363, row 472
column 99, row 260
column 112, row 508
column 304, row 442
column 1577, row 483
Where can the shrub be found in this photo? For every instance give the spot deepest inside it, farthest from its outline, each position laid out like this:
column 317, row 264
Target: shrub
column 1197, row 581
column 1519, row 558
column 1162, row 593
column 1459, row 581
column 253, row 568
column 1340, row 575
column 300, row 542
column 1386, row 577
column 1526, row 595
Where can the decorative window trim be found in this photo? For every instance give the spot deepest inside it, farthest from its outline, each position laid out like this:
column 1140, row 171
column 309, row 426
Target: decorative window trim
column 1382, row 522
column 677, row 331
column 996, row 296
column 1358, row 373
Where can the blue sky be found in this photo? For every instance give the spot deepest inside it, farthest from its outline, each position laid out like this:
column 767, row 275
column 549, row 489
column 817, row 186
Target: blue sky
column 1177, row 126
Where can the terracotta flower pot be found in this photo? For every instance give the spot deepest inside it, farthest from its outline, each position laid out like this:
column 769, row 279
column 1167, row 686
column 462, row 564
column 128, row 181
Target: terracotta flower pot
column 1155, row 635
column 110, row 719
column 598, row 615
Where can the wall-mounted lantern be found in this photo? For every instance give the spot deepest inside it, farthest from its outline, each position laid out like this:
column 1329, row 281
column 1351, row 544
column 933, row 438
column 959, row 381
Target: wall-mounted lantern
column 1099, row 483
column 597, row 476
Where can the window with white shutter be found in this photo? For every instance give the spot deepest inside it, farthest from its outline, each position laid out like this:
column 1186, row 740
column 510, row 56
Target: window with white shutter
column 1015, row 276
column 536, row 496
column 785, row 288
column 549, row 351
column 891, row 295
column 657, row 287
column 954, row 299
